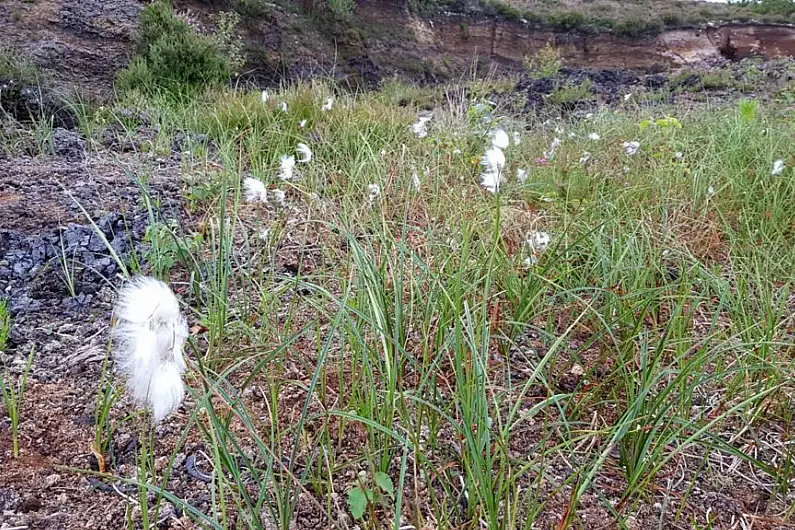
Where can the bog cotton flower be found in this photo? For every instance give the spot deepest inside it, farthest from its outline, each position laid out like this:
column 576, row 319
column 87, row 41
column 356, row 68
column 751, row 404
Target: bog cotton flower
column 594, row 137
column 415, row 181
column 586, row 156
column 305, row 153
column 421, row 127
column 517, row 138
column 302, row 124
column 631, row 147
column 553, row 148
column 499, row 139
column 328, row 104
column 521, row 175
column 283, row 106
column 265, row 96
column 278, row 196
column 286, row 166
column 254, row 190
column 149, row 335
column 537, row 241
column 493, row 163
column 679, row 155
column 778, row 167
column 373, row 191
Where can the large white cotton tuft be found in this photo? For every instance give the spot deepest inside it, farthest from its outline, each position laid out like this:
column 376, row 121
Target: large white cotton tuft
column 150, row 333
column 254, row 190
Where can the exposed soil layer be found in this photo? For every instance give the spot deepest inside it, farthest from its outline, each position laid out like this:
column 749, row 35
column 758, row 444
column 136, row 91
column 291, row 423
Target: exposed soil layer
column 85, row 42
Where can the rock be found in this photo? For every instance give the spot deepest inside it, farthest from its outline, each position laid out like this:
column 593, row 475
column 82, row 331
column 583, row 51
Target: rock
column 68, row 144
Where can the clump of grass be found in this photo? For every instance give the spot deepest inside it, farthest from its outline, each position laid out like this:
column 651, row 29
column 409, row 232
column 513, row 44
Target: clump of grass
column 5, row 324
column 13, row 394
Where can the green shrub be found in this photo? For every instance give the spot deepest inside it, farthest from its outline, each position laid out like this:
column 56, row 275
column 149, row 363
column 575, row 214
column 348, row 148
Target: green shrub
column 544, row 63
column 171, row 54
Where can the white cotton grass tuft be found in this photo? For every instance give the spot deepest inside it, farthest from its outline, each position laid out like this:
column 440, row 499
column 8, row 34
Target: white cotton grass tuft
column 302, row 124
column 328, row 104
column 286, row 166
column 493, row 163
column 283, row 106
column 778, row 167
column 537, row 241
column 415, row 181
column 254, row 190
column 517, row 138
column 420, row 129
column 278, row 197
column 149, row 335
column 499, row 139
column 265, row 96
column 305, row 153
column 373, row 192
column 585, row 158
column 553, row 149
column 521, row 175
column 631, row 147
column 594, row 137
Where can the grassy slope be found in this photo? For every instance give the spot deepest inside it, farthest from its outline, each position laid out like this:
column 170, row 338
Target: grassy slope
column 422, row 337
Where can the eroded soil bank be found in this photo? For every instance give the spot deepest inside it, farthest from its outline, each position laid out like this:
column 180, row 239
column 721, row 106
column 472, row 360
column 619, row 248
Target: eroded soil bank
column 85, row 42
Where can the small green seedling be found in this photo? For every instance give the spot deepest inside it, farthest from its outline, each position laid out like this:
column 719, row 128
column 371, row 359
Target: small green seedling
column 13, row 397
column 363, row 495
column 5, row 324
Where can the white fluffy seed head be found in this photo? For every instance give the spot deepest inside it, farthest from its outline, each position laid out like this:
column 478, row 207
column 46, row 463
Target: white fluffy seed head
column 328, row 104
column 499, row 139
column 286, row 166
column 149, row 335
column 778, row 167
column 254, row 190
column 304, row 152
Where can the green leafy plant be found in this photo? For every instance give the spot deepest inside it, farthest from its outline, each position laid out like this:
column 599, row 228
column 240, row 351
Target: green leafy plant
column 363, row 496
column 544, row 63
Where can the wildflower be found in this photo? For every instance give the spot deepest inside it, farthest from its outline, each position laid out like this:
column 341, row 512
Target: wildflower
column 150, row 333
column 287, row 164
column 679, row 155
column 521, row 175
column 421, row 128
column 542, row 161
column 517, row 138
column 627, row 97
column 493, row 163
column 529, row 261
column 537, row 241
column 594, row 137
column 284, row 106
column 499, row 139
column 711, row 191
column 553, row 148
column 265, row 96
column 778, row 167
column 254, row 190
column 328, row 104
column 302, row 124
column 631, row 147
column 304, row 152
column 278, row 196
column 373, row 191
column 586, row 156
column 383, row 152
